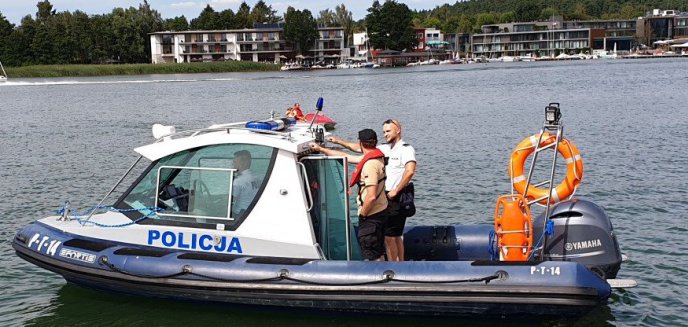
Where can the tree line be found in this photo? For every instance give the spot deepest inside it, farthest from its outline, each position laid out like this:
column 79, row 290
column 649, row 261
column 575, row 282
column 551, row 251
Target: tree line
column 122, row 35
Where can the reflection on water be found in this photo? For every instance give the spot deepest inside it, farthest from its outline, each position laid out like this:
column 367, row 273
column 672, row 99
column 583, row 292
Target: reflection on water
column 78, row 306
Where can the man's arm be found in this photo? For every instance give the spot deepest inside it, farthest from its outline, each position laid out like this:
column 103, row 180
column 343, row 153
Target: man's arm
column 370, row 198
column 409, row 171
column 353, row 146
column 352, row 159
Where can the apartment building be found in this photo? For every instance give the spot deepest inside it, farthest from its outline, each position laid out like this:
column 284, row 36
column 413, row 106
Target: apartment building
column 428, row 38
column 531, row 39
column 619, row 33
column 660, row 25
column 556, row 35
column 458, row 42
column 330, row 45
column 264, row 43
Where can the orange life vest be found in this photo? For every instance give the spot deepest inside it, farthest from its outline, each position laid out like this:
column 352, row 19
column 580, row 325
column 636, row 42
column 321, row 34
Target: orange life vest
column 514, row 228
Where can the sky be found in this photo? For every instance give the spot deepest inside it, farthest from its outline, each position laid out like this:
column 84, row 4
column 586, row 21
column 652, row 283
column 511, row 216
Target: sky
column 14, row 10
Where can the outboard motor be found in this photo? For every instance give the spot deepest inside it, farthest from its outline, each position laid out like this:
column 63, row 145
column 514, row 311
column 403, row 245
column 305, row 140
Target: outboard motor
column 582, row 233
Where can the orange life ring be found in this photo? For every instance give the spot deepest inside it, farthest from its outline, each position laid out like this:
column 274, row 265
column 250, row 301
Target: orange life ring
column 574, row 168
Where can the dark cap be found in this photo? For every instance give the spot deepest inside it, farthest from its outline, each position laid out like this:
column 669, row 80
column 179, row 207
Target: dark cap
column 367, row 135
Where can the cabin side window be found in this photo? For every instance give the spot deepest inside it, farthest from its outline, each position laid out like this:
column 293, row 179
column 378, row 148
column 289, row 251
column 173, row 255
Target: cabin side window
column 210, row 187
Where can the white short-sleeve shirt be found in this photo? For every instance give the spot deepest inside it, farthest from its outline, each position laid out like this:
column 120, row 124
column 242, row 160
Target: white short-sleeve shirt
column 399, row 156
column 244, row 190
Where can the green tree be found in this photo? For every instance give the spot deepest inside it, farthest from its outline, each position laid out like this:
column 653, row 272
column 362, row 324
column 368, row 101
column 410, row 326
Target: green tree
column 300, row 28
column 45, row 10
column 19, row 46
column 243, row 16
column 6, row 29
column 262, row 13
column 526, row 11
column 178, row 23
column 130, row 29
column 417, row 22
column 548, row 13
column 79, row 38
column 344, row 19
column 148, row 21
column 43, row 41
column 374, row 26
column 506, row 17
column 390, row 26
column 465, row 24
column 326, row 18
column 209, row 19
column 103, row 36
column 484, row 19
column 579, row 12
column 629, row 11
column 432, row 22
column 227, row 19
column 443, row 15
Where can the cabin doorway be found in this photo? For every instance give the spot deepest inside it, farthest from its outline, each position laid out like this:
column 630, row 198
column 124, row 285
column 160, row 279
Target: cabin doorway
column 326, row 178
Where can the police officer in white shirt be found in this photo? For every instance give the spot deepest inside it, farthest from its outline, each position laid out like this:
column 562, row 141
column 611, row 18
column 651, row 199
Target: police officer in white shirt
column 245, row 186
column 400, row 168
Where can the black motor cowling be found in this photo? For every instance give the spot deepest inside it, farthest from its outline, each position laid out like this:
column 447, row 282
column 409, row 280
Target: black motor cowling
column 582, row 233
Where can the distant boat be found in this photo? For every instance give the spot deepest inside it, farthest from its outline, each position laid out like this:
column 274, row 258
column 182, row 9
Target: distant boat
column 371, row 63
column 292, row 66
column 3, row 77
column 431, row 61
column 510, row 59
column 321, row 119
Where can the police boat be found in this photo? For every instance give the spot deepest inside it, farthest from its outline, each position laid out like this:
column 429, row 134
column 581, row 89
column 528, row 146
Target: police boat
column 247, row 214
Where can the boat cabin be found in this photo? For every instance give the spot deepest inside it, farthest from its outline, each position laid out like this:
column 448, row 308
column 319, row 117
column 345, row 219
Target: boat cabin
column 235, row 190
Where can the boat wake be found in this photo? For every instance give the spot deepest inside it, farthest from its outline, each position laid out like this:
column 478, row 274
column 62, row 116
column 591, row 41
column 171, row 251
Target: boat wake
column 73, row 82
column 44, row 82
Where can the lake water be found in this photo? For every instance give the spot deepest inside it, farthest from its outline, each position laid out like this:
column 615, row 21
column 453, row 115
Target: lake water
column 71, row 139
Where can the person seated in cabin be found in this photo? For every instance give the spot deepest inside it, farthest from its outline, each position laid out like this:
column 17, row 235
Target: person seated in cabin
column 295, row 112
column 245, row 186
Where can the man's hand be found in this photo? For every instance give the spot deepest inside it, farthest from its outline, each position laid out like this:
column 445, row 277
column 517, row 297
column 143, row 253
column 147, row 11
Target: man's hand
column 316, row 147
column 392, row 194
column 333, row 139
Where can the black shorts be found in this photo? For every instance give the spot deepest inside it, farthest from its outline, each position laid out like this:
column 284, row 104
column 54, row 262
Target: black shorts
column 395, row 220
column 371, row 235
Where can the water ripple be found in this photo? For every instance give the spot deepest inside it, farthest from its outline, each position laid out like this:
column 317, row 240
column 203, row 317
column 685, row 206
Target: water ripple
column 71, row 139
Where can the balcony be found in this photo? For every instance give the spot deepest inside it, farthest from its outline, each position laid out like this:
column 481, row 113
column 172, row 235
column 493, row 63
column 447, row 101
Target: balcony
column 267, row 50
column 202, row 51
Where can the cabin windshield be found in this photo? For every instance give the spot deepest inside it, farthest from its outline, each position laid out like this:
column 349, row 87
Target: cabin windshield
column 216, row 186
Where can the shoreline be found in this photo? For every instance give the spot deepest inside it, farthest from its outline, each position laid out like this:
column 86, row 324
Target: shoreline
column 38, row 71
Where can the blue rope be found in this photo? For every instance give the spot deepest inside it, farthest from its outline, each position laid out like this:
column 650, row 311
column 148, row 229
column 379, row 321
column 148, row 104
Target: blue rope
column 79, row 216
column 549, row 231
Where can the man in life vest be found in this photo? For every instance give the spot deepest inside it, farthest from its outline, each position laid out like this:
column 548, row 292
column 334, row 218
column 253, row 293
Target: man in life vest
column 295, row 112
column 400, row 168
column 372, row 202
